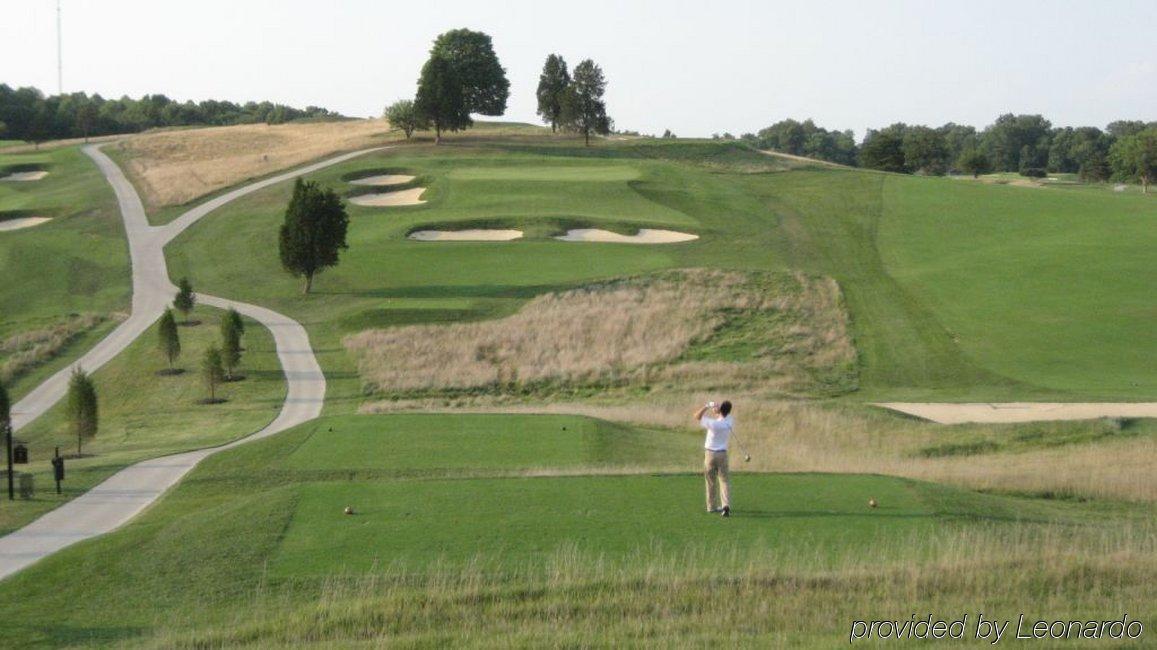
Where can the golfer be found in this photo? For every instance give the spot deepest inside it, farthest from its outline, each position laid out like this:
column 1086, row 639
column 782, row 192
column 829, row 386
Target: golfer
column 716, row 419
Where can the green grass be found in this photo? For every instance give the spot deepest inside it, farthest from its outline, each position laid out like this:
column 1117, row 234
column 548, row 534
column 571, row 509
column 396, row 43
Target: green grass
column 1051, row 289
column 443, row 443
column 258, row 532
column 78, row 262
column 924, row 330
column 144, row 415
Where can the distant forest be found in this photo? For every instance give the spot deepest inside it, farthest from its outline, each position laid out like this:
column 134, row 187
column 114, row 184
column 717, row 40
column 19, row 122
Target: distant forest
column 1027, row 144
column 27, row 114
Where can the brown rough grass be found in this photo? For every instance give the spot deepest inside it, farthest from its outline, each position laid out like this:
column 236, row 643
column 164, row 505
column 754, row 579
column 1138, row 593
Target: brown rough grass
column 175, row 167
column 23, row 352
column 636, row 330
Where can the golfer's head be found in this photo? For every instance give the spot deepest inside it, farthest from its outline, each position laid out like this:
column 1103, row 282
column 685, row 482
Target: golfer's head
column 724, row 408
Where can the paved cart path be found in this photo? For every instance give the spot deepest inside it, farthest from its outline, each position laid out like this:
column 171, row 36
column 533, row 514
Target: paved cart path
column 124, row 494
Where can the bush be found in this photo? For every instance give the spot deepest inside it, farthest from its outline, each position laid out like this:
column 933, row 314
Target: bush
column 1033, row 172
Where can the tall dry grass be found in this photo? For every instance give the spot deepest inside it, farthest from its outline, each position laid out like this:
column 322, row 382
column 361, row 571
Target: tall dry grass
column 636, row 330
column 21, row 353
column 739, row 597
column 175, row 167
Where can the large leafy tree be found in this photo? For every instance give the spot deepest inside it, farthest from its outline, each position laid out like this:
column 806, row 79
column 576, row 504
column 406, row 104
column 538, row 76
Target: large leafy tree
column 884, row 149
column 485, row 88
column 1135, row 157
column 82, row 407
column 402, row 115
column 583, row 109
column 440, row 100
column 314, row 231
column 925, row 151
column 973, row 161
column 1017, row 142
column 552, row 85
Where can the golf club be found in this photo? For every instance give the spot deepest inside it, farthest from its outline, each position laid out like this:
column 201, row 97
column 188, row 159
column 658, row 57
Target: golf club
column 746, row 456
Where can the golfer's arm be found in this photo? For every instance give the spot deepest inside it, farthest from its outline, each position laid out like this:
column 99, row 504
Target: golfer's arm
column 699, row 414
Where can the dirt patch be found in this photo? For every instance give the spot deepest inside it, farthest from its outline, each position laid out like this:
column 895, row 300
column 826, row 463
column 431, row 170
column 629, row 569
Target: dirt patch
column 383, row 180
column 476, row 234
column 994, row 413
column 175, row 167
column 390, row 199
column 644, row 236
column 24, row 177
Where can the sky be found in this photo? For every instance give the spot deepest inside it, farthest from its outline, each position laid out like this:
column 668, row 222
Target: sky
column 696, row 68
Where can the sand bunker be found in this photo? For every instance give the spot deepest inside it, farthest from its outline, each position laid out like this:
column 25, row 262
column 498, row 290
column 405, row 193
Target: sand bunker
column 22, row 222
column 386, row 199
column 23, row 177
column 383, row 179
column 466, row 235
column 1023, row 411
column 645, row 236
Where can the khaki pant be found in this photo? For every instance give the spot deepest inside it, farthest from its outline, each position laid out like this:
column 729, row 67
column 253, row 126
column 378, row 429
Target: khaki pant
column 718, row 476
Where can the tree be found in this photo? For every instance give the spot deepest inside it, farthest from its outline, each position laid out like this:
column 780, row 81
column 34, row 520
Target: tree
column 238, row 322
column 169, row 341
column 973, row 161
column 484, row 87
column 185, row 299
column 212, row 370
column 440, row 99
column 402, row 114
column 1016, row 142
column 552, row 85
column 583, row 110
column 1135, row 157
column 314, row 231
column 884, row 149
column 230, row 344
column 86, row 115
column 82, row 407
column 925, row 151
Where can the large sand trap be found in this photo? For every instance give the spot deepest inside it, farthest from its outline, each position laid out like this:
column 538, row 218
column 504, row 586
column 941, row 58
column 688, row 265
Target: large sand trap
column 25, row 176
column 645, row 236
column 386, row 199
column 466, row 235
column 1023, row 411
column 383, row 179
column 22, row 222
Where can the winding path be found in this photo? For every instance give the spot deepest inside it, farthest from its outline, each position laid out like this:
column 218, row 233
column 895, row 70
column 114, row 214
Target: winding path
column 123, row 495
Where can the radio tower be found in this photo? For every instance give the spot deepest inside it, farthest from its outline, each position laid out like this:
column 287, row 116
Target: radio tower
column 59, row 55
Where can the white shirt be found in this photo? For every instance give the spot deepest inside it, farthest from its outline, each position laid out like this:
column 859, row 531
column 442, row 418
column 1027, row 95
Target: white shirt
column 718, row 432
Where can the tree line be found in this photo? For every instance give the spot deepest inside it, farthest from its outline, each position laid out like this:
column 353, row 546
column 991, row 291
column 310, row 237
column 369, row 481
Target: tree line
column 1025, row 144
column 463, row 76
column 27, row 114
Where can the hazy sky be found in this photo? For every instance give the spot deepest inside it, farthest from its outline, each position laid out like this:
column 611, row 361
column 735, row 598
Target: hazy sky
column 694, row 67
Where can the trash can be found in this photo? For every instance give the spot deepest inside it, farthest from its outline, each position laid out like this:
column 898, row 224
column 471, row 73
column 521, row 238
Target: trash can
column 20, row 454
column 27, row 485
